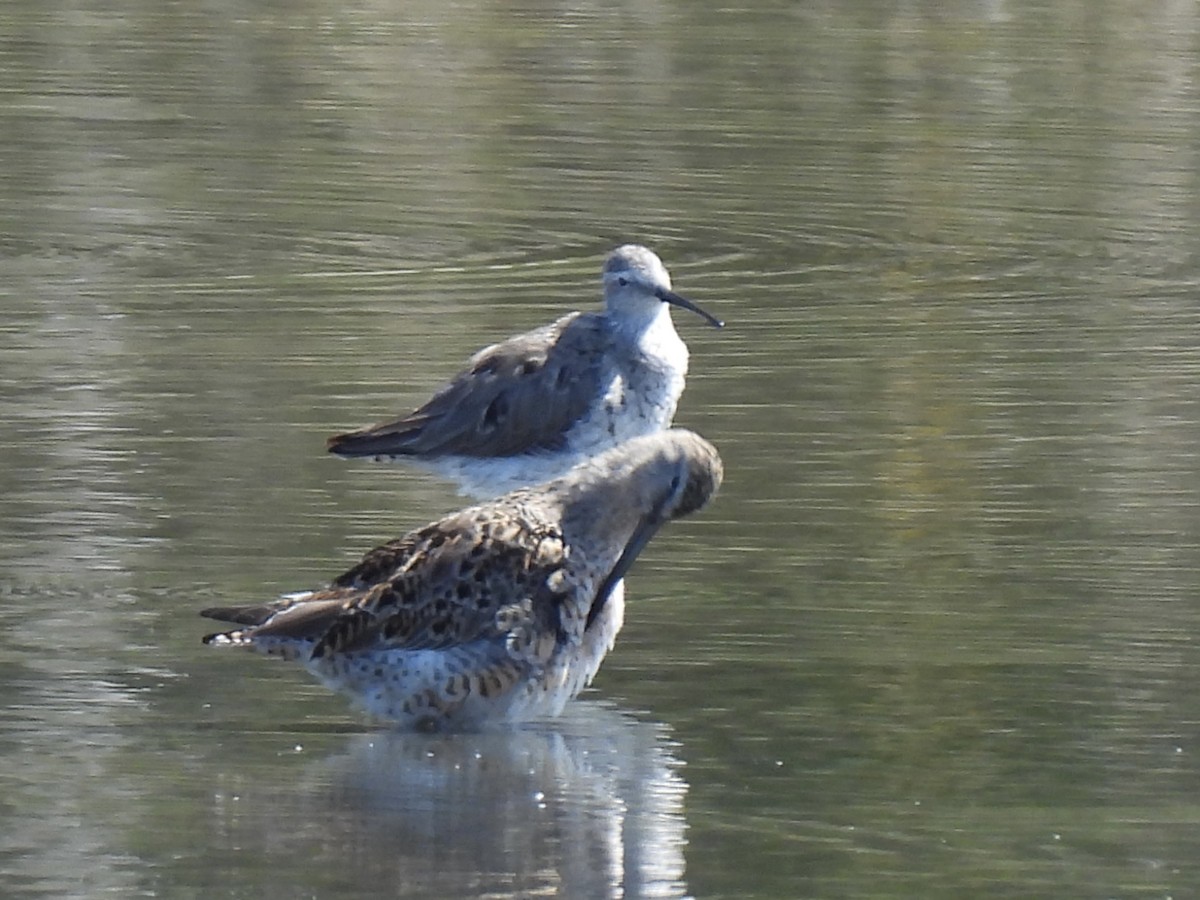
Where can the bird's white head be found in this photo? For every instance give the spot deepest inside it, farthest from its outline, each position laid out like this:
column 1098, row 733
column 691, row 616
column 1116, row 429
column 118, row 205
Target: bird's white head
column 637, row 285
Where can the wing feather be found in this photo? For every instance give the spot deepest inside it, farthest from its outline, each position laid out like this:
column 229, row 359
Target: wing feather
column 473, row 585
column 470, row 576
column 518, row 396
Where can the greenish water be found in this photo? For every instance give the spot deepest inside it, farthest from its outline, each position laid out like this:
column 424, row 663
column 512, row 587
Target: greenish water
column 934, row 638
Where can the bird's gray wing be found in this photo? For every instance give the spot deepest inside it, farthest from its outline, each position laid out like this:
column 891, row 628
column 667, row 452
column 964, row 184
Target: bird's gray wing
column 518, row 396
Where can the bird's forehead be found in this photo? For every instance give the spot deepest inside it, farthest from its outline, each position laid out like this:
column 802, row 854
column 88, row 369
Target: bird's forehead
column 633, row 260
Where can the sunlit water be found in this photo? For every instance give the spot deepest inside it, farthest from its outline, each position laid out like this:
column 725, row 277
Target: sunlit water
column 935, row 636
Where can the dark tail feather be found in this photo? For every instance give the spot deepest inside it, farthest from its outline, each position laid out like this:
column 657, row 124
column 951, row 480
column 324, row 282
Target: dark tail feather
column 400, row 438
column 239, row 615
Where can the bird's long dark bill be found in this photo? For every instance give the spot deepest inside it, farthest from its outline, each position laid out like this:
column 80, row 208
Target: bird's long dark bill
column 641, row 537
column 675, row 300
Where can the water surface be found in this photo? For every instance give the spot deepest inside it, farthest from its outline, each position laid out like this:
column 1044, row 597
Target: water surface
column 934, row 638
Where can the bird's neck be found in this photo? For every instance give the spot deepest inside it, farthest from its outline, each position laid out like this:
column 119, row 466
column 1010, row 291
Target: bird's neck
column 645, row 321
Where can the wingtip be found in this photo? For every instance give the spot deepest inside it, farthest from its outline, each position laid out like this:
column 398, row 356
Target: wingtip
column 240, row 615
column 359, row 444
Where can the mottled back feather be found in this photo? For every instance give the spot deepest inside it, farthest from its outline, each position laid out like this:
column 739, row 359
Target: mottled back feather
column 465, row 578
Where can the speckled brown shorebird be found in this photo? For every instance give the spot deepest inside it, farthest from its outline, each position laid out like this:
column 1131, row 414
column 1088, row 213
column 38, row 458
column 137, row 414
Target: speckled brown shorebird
column 528, row 409
column 498, row 613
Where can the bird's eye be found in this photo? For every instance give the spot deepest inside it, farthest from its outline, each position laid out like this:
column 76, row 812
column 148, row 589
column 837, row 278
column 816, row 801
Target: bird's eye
column 623, row 281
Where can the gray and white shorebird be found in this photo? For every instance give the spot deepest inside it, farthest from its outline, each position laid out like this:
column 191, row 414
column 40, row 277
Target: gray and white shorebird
column 529, row 408
column 498, row 613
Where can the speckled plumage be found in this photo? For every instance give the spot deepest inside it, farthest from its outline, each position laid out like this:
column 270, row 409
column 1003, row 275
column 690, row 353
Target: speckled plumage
column 529, row 408
column 499, row 612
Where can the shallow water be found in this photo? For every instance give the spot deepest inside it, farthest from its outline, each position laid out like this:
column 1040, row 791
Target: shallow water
column 935, row 636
